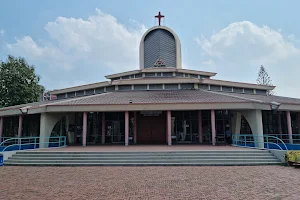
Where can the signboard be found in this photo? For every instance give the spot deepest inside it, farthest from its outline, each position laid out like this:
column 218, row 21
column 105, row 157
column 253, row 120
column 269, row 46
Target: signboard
column 159, row 63
column 151, row 113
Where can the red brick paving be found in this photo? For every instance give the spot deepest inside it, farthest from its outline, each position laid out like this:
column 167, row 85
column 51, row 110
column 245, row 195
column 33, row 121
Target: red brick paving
column 66, row 183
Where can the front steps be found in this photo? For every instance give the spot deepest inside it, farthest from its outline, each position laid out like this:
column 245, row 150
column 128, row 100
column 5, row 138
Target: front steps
column 161, row 158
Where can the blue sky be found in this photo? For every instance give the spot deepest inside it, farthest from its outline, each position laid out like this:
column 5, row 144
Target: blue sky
column 78, row 42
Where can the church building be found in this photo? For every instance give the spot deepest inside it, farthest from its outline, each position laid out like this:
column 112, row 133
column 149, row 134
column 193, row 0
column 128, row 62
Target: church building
column 158, row 103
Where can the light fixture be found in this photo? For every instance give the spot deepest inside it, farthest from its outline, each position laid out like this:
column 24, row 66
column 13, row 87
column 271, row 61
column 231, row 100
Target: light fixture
column 274, row 106
column 24, row 110
column 130, row 101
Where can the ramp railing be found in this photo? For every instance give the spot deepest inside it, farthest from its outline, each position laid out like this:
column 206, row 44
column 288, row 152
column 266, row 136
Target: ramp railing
column 12, row 144
column 255, row 141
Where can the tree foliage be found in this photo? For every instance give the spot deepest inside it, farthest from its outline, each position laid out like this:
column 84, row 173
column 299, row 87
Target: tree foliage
column 264, row 79
column 19, row 84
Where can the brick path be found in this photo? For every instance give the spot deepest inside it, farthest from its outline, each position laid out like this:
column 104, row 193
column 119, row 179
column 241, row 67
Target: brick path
column 255, row 182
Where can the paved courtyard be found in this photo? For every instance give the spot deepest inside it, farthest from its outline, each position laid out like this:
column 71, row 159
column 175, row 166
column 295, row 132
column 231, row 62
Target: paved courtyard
column 251, row 182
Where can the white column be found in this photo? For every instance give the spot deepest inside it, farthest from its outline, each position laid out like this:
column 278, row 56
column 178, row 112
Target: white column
column 47, row 123
column 213, row 127
column 126, row 127
column 254, row 118
column 20, row 126
column 169, row 134
column 200, row 131
column 84, row 129
column 135, row 128
column 103, row 128
column 1, row 128
column 289, row 126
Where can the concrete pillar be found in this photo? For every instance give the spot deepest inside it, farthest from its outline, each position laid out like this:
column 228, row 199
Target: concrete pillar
column 103, row 128
column 135, row 127
column 279, row 124
column 200, row 131
column 20, row 126
column 298, row 123
column 84, row 129
column 254, row 118
column 289, row 126
column 1, row 128
column 169, row 128
column 213, row 127
column 236, row 125
column 126, row 127
column 48, row 121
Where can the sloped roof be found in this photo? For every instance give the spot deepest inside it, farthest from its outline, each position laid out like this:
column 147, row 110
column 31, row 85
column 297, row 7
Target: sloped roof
column 264, row 98
column 154, row 97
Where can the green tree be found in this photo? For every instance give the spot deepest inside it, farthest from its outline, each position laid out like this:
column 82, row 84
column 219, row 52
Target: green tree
column 264, row 79
column 19, row 84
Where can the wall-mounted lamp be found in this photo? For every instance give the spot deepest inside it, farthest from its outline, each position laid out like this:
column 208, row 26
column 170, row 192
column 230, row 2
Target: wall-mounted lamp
column 274, row 106
column 24, row 110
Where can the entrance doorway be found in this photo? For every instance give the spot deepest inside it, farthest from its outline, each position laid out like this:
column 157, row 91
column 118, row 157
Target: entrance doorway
column 151, row 129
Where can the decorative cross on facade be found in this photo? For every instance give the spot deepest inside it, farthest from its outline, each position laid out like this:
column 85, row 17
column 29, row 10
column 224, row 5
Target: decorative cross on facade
column 159, row 16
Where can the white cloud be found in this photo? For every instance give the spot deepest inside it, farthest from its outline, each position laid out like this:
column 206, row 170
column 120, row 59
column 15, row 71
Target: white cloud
column 2, row 32
column 237, row 51
column 99, row 43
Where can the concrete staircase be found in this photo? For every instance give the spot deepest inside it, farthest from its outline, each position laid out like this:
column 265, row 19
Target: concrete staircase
column 162, row 158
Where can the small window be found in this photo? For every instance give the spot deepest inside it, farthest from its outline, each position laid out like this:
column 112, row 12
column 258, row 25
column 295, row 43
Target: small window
column 261, row 91
column 125, row 77
column 158, row 73
column 215, row 87
column 61, row 96
column 114, row 79
column 99, row 90
column 79, row 93
column 237, row 90
column 187, row 86
column 138, row 75
column 70, row 94
column 150, row 74
column 124, row 87
column 227, row 89
column 179, row 74
column 203, row 77
column 168, row 74
column 248, row 91
column 140, row 87
column 194, row 76
column 110, row 88
column 203, row 87
column 171, row 86
column 89, row 92
column 155, row 87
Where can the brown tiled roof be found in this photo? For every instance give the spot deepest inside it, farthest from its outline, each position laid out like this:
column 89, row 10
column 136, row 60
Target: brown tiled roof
column 154, row 97
column 265, row 98
column 161, row 97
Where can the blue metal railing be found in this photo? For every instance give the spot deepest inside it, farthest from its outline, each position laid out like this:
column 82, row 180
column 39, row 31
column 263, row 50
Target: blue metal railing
column 24, row 143
column 285, row 138
column 265, row 141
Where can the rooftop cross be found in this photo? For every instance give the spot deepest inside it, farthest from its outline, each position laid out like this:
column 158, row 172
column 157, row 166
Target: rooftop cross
column 159, row 16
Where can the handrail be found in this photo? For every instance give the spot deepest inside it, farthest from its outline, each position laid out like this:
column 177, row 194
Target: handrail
column 236, row 140
column 37, row 141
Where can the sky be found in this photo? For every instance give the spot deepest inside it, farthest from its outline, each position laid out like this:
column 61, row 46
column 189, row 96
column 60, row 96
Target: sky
column 75, row 42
